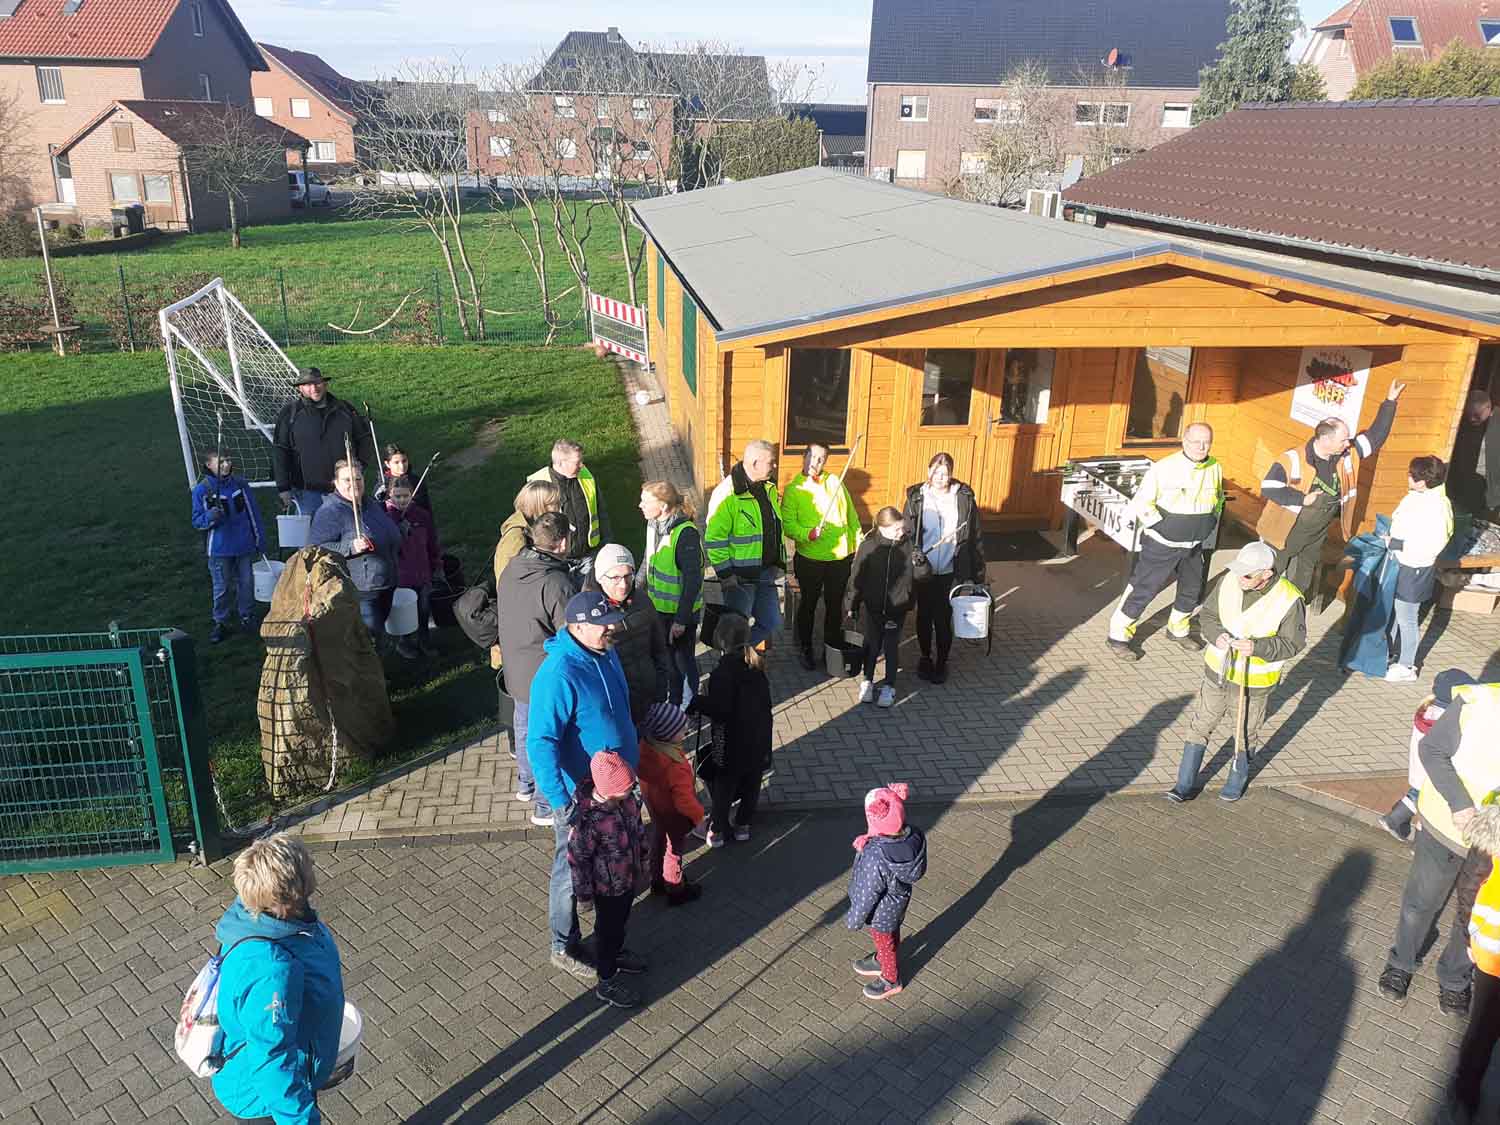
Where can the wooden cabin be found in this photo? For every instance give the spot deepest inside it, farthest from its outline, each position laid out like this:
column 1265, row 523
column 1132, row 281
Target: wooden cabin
column 814, row 305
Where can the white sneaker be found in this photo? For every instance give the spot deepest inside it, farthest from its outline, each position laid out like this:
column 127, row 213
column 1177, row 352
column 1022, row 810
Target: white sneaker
column 525, row 797
column 887, row 697
column 741, row 833
column 713, row 839
column 866, row 691
column 1401, row 674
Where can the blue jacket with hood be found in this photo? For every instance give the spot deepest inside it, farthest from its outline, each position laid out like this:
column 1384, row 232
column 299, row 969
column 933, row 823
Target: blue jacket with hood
column 880, row 884
column 579, row 706
column 281, row 1004
column 238, row 530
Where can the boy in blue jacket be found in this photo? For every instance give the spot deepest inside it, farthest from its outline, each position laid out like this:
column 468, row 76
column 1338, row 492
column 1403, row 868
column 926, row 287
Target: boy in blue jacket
column 224, row 507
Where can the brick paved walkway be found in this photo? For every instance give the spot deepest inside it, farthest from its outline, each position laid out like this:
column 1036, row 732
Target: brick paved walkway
column 1079, row 961
column 1033, row 715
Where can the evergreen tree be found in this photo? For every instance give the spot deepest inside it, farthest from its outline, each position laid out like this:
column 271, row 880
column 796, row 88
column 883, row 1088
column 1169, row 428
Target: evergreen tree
column 1253, row 64
column 1461, row 71
column 1308, row 85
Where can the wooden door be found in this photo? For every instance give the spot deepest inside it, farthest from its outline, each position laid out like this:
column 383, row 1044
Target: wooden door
column 942, row 410
column 1018, row 437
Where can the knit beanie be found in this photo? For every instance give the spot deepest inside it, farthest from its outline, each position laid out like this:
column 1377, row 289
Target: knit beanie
column 885, row 812
column 1444, row 683
column 612, row 774
column 664, row 722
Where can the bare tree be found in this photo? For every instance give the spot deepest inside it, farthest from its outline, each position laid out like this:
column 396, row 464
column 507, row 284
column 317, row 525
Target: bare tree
column 1110, row 136
column 1021, row 146
column 232, row 149
column 413, row 163
column 15, row 182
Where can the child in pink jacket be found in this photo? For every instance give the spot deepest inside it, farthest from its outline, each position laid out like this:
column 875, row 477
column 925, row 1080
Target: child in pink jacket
column 610, row 855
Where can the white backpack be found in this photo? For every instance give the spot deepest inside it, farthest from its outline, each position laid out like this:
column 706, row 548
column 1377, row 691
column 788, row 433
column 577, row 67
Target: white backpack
column 199, row 1039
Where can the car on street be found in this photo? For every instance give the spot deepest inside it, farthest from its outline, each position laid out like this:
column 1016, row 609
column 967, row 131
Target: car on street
column 308, row 191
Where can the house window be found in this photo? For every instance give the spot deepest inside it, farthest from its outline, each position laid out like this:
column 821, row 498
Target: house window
column 995, row 110
column 1158, row 393
column 322, row 152
column 640, row 108
column 158, row 188
column 205, row 88
column 1085, row 113
column 1489, row 31
column 1027, row 387
column 498, row 116
column 562, row 105
column 124, row 187
column 124, row 134
column 265, row 107
column 49, row 84
column 499, row 146
column 817, row 396
column 1404, row 31
column 301, row 107
column 970, row 163
column 661, row 290
column 601, row 109
column 947, row 387
column 197, row 10
column 690, row 343
column 911, row 164
column 1117, row 113
column 914, row 107
column 567, row 148
column 1176, row 116
column 640, row 150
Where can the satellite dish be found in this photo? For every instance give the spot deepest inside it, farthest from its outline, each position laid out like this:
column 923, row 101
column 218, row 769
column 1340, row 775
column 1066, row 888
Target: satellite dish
column 1113, row 58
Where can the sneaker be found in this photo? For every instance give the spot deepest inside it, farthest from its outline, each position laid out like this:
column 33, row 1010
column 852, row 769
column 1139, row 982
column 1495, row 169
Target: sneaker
column 700, row 829
column 940, row 672
column 881, row 989
column 805, row 658
column 542, row 819
column 1394, row 983
column 571, row 964
column 924, row 668
column 866, row 691
column 628, row 962
column 714, row 839
column 1187, row 641
column 887, row 697
column 1455, row 1001
column 1122, row 650
column 526, row 796
column 615, row 992
column 407, row 651
column 741, row 833
column 1178, row 798
column 1401, row 674
column 218, row 633
column 867, row 966
column 1403, row 833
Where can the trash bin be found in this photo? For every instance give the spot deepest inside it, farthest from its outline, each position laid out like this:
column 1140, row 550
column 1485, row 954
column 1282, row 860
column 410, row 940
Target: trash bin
column 135, row 217
column 119, row 221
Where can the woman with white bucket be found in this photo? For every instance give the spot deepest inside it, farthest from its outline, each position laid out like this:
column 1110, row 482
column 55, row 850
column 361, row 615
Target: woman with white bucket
column 281, row 1001
column 942, row 521
column 224, row 508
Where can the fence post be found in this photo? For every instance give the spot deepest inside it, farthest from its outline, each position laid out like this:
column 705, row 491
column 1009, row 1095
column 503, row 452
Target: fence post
column 125, row 304
column 192, row 726
column 437, row 293
column 286, row 324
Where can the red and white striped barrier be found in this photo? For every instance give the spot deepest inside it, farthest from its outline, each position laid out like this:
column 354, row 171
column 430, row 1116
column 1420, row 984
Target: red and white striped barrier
column 607, row 309
column 618, row 310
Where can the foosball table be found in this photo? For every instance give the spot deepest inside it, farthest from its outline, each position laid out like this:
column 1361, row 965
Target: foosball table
column 1097, row 491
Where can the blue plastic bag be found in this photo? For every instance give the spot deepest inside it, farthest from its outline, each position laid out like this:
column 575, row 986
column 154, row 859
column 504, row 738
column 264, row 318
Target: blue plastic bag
column 1366, row 647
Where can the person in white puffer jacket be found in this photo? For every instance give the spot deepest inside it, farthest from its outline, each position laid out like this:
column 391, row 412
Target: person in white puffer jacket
column 1420, row 529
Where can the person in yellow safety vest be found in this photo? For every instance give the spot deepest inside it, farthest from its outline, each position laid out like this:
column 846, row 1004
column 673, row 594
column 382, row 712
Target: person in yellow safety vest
column 581, row 502
column 743, row 539
column 673, row 578
column 1461, row 757
column 1254, row 623
column 1177, row 508
column 1483, row 1032
column 821, row 521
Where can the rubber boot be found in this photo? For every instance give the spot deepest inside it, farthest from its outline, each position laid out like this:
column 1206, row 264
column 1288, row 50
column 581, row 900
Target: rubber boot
column 1239, row 777
column 1187, row 772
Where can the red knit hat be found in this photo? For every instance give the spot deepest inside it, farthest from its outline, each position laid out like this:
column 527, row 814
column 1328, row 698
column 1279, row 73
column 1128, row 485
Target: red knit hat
column 612, row 774
column 885, row 811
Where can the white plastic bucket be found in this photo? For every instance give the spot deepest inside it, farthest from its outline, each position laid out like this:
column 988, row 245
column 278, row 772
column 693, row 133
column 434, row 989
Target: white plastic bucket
column 846, row 659
column 292, row 530
column 971, row 612
column 267, row 573
column 403, row 619
column 350, row 1033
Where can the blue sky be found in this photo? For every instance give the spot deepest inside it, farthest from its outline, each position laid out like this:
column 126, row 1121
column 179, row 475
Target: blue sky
column 366, row 38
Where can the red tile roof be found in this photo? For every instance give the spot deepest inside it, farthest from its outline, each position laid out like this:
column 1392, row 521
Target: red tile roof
column 1439, row 22
column 1412, row 180
column 101, row 30
column 185, row 122
column 316, row 74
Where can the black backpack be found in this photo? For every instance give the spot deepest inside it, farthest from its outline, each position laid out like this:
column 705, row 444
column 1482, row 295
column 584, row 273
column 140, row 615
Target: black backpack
column 474, row 610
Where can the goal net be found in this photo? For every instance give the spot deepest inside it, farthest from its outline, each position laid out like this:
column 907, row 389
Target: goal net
column 229, row 381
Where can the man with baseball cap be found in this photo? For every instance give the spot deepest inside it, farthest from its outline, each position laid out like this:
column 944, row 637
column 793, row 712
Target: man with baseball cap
column 1253, row 622
column 580, row 706
column 308, row 441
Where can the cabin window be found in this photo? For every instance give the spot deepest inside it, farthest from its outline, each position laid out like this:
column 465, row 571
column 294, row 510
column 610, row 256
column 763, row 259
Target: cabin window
column 661, row 289
column 817, row 396
column 1026, row 389
column 1158, row 394
column 947, row 387
column 690, row 344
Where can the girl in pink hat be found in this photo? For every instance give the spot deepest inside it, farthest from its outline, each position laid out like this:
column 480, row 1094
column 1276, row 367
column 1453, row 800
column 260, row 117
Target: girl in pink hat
column 888, row 860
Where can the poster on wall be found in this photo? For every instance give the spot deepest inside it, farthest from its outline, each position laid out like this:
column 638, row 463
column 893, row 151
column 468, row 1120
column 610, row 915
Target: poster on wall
column 1331, row 384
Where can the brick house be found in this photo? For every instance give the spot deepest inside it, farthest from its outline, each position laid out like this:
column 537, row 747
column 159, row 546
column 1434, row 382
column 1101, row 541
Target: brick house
column 135, row 152
column 65, row 62
column 301, row 92
column 936, row 67
column 1362, row 34
column 841, row 133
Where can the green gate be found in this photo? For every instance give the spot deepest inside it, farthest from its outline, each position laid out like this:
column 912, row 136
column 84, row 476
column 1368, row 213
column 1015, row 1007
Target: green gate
column 102, row 751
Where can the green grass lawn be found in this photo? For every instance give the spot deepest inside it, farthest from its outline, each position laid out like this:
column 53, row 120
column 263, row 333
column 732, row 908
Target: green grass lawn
column 344, row 271
column 99, row 508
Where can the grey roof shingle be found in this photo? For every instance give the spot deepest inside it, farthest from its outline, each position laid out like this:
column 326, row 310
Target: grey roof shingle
column 803, row 247
column 961, row 42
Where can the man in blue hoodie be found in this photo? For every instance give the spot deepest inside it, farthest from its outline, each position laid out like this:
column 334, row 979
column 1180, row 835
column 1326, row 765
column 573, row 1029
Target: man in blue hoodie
column 224, row 507
column 580, row 707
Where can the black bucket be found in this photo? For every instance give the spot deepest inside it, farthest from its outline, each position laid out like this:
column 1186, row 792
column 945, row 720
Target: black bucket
column 847, row 659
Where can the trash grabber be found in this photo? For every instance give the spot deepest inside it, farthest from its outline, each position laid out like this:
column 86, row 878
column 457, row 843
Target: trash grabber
column 374, row 441
column 354, row 504
column 1241, row 736
column 425, row 471
column 218, row 455
column 828, row 501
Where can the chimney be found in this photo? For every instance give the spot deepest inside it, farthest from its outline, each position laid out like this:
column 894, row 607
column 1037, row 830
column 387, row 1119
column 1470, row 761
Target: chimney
column 614, row 35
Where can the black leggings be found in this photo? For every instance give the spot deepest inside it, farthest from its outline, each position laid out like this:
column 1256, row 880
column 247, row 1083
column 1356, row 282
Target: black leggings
column 934, row 616
column 1479, row 1041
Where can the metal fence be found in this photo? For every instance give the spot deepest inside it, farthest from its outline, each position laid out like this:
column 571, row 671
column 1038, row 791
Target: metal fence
column 103, row 751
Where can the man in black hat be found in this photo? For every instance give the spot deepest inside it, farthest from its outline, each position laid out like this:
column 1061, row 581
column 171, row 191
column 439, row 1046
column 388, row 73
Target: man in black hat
column 309, row 439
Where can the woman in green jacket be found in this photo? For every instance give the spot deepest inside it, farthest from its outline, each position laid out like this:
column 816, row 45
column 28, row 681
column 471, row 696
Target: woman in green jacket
column 818, row 516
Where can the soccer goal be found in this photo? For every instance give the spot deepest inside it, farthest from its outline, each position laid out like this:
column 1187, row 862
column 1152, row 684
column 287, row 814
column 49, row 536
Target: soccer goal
column 229, row 381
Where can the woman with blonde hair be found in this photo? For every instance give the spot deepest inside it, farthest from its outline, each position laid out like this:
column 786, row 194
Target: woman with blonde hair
column 673, row 579
column 281, row 992
column 535, row 497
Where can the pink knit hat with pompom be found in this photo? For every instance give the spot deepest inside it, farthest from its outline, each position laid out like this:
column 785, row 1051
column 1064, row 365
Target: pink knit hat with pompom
column 885, row 811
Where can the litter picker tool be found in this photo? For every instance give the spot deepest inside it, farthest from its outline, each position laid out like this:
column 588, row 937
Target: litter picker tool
column 374, row 441
column 833, row 494
column 218, row 457
column 425, row 471
column 359, row 532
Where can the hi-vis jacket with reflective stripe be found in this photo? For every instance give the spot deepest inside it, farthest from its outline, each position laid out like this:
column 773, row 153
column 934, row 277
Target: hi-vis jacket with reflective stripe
column 1261, row 620
column 734, row 537
column 664, row 581
column 1476, row 762
column 1179, row 500
column 1484, row 924
column 590, row 497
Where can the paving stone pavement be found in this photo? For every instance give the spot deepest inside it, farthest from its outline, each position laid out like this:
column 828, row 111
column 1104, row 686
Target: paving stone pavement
column 1070, row 961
